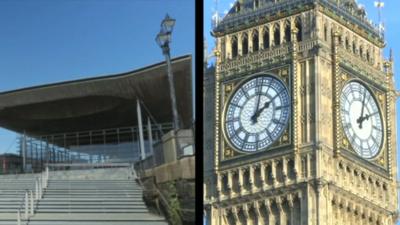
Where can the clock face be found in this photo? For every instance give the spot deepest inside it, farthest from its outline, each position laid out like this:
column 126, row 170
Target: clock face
column 257, row 113
column 361, row 119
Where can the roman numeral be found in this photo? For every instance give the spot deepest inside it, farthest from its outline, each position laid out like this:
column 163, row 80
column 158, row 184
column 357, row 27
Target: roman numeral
column 376, row 128
column 236, row 105
column 281, row 106
column 277, row 121
column 231, row 120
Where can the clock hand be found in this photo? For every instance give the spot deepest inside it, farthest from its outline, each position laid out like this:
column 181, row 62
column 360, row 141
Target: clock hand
column 366, row 117
column 266, row 106
column 360, row 119
column 253, row 118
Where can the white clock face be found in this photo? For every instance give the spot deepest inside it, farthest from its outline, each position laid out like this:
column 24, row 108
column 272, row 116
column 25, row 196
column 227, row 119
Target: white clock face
column 361, row 119
column 257, row 113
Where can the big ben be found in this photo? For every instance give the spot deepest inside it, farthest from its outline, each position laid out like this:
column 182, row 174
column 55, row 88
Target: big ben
column 304, row 129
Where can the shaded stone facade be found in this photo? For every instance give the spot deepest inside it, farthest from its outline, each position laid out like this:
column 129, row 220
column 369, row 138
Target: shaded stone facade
column 311, row 175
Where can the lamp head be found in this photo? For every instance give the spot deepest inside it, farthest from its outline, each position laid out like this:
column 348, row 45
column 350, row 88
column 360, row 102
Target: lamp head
column 168, row 24
column 163, row 38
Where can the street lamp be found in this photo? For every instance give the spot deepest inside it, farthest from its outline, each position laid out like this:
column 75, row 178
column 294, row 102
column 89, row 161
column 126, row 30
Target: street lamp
column 163, row 39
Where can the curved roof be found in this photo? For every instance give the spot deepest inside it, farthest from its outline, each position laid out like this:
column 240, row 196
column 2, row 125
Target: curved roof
column 99, row 102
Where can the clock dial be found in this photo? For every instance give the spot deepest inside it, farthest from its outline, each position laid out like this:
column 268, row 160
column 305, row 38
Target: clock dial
column 361, row 119
column 257, row 113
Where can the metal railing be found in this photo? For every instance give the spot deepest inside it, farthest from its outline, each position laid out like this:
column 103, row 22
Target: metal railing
column 31, row 198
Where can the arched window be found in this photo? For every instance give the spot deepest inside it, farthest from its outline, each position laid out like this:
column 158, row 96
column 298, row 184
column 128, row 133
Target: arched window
column 245, row 45
column 256, row 4
column 277, row 36
column 299, row 28
column 237, row 7
column 354, row 47
column 266, row 38
column 340, row 40
column 234, row 47
column 325, row 33
column 347, row 43
column 361, row 51
column 255, row 41
column 287, row 32
column 368, row 56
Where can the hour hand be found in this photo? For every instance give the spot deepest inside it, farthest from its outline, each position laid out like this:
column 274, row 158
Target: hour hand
column 259, row 111
column 361, row 119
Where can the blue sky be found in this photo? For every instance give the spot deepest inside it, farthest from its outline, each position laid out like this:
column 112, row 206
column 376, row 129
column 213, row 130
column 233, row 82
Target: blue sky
column 46, row 41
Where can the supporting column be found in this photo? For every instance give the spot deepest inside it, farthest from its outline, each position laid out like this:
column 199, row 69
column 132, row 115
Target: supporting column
column 235, row 213
column 150, row 136
column 141, row 139
column 259, row 216
column 262, row 174
column 220, row 193
column 284, row 169
column 281, row 212
column 252, row 179
column 246, row 214
column 269, row 210
column 230, row 184
column 291, row 208
column 303, row 209
column 241, row 185
column 273, row 171
column 23, row 151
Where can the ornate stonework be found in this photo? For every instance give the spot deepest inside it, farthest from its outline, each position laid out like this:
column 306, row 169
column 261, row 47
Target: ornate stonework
column 311, row 175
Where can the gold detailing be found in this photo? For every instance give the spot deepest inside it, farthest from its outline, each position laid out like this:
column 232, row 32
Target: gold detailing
column 345, row 142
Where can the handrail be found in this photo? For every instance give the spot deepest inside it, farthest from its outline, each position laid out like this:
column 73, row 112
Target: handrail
column 163, row 198
column 27, row 203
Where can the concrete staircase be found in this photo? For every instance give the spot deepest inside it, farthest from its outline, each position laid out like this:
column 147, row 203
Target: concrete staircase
column 91, row 197
column 12, row 191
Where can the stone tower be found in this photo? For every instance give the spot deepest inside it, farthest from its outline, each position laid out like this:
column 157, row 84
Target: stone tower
column 305, row 118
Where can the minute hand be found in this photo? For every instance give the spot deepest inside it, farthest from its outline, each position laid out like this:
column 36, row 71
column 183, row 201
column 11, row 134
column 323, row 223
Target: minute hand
column 361, row 118
column 266, row 105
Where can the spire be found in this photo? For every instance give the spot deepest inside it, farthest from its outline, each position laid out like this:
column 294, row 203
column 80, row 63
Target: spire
column 379, row 4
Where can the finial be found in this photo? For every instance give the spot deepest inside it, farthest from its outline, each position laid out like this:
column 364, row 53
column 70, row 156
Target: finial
column 391, row 55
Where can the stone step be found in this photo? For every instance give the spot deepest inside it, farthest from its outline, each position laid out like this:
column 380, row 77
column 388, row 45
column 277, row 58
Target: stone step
column 94, row 223
column 91, row 198
column 85, row 206
column 96, row 210
column 96, row 217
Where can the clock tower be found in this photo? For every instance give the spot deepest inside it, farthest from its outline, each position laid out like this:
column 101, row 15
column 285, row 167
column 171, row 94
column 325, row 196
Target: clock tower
column 305, row 118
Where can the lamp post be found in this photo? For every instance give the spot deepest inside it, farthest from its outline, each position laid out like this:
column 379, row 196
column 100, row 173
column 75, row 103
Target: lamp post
column 163, row 39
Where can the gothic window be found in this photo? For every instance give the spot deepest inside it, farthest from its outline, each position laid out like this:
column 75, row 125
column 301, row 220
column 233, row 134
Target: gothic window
column 266, row 38
column 234, row 47
column 287, row 32
column 299, row 29
column 354, row 47
column 277, row 35
column 325, row 33
column 368, row 56
column 361, row 51
column 255, row 41
column 347, row 43
column 237, row 7
column 256, row 3
column 245, row 45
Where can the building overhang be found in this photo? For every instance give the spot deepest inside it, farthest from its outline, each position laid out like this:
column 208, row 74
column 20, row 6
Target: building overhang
column 100, row 102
